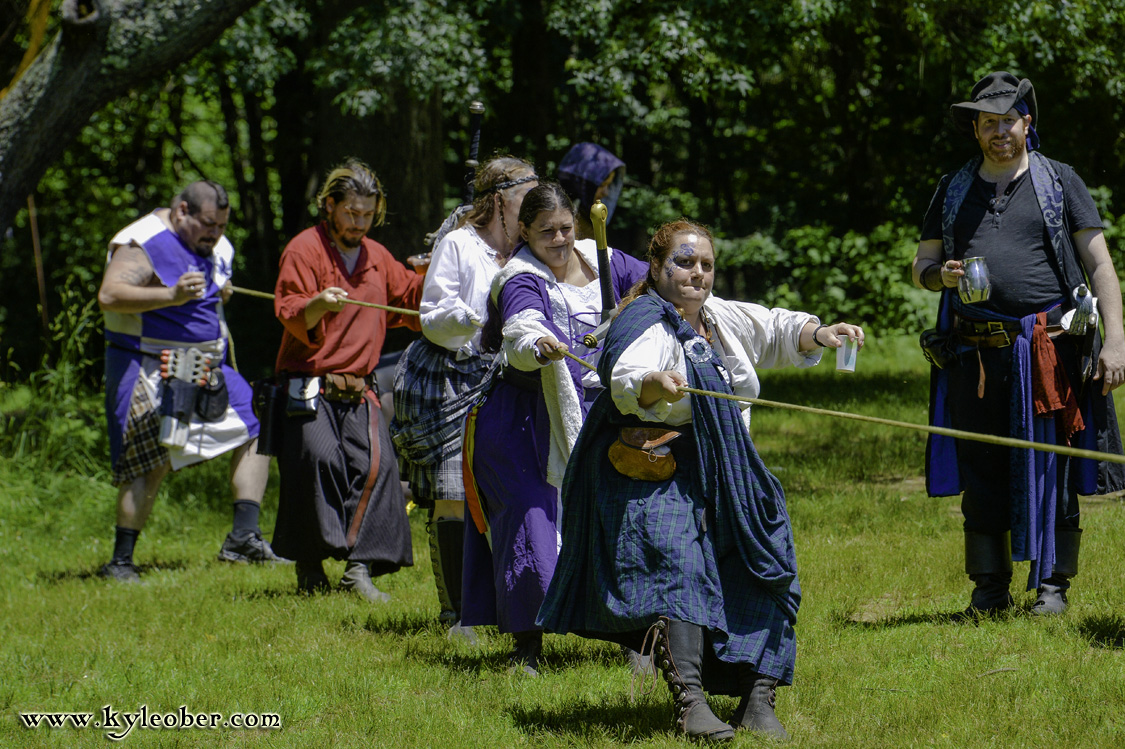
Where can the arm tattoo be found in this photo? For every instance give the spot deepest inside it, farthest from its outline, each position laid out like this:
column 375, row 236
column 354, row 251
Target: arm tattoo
column 130, row 265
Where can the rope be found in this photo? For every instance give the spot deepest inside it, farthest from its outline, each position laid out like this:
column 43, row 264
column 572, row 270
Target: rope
column 267, row 295
column 992, row 439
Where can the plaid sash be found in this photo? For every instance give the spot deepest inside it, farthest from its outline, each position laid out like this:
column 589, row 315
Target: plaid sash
column 748, row 515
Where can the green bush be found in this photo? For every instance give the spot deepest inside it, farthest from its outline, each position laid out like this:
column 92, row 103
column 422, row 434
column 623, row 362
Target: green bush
column 859, row 278
column 55, row 421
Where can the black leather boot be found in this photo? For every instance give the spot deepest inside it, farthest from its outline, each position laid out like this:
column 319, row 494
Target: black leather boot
column 525, row 656
column 755, row 712
column 1052, row 591
column 678, row 654
column 988, row 562
column 447, row 549
column 449, row 612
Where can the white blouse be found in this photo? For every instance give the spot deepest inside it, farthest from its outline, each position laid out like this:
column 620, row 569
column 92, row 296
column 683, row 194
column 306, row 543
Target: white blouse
column 455, row 294
column 748, row 336
column 575, row 310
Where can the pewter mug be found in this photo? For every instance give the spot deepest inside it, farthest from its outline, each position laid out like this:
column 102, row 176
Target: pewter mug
column 974, row 286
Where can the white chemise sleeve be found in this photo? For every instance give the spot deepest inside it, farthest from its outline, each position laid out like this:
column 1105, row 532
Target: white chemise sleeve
column 769, row 338
column 655, row 350
column 449, row 305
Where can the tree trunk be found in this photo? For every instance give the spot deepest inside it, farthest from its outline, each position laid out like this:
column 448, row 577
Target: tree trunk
column 103, row 48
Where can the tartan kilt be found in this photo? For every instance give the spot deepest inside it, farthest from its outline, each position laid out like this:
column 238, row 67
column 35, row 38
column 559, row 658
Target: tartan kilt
column 433, row 393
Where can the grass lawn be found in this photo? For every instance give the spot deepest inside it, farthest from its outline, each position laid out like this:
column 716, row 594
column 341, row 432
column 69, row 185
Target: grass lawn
column 880, row 663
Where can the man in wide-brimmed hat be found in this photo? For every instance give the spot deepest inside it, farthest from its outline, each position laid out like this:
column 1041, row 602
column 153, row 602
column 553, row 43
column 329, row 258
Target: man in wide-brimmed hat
column 1018, row 367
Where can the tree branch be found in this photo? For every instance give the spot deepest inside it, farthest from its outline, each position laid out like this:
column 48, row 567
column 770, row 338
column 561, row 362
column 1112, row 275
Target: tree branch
column 105, row 48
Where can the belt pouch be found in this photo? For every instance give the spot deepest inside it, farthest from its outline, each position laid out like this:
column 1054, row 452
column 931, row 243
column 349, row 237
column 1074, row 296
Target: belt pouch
column 937, row 347
column 269, row 406
column 177, row 403
column 344, row 388
column 303, row 395
column 212, row 399
column 642, row 453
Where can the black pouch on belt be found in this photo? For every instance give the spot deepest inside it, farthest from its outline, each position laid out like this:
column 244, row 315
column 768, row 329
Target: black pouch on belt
column 177, row 399
column 212, row 400
column 269, row 407
column 937, row 347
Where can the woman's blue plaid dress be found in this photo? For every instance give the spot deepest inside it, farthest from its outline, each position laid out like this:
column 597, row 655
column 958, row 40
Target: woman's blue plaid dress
column 712, row 545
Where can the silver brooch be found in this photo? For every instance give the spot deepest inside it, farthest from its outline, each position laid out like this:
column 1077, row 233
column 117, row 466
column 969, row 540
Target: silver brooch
column 698, row 350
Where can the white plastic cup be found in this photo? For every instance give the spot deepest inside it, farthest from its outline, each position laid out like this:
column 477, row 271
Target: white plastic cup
column 846, row 355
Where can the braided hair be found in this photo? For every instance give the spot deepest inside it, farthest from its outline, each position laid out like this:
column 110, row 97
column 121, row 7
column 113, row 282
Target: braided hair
column 496, row 177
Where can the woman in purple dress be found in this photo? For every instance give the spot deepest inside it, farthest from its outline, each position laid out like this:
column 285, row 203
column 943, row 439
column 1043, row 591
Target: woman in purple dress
column 518, row 440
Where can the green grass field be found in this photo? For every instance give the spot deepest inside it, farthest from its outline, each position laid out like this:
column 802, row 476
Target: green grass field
column 880, row 664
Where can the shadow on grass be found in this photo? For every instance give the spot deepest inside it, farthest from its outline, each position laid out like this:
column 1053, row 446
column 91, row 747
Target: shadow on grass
column 404, row 624
column 582, row 721
column 491, row 654
column 851, row 619
column 62, row 576
column 1104, row 630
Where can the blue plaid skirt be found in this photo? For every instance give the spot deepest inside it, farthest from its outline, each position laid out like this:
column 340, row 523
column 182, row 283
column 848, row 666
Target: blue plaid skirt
column 433, row 393
column 636, row 550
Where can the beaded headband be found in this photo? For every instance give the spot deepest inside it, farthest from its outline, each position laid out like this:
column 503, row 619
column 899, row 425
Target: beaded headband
column 509, row 183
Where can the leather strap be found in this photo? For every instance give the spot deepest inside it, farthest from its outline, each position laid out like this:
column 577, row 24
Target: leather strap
column 374, row 409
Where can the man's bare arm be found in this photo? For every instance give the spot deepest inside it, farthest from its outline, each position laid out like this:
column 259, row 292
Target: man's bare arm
column 1094, row 253
column 130, row 284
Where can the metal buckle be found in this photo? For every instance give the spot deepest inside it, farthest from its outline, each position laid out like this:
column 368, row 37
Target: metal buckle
column 997, row 328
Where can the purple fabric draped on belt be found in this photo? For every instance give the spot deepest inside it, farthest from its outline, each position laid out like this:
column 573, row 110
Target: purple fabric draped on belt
column 1034, row 473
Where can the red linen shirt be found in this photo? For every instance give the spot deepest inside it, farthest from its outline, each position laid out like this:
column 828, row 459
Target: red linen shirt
column 349, row 340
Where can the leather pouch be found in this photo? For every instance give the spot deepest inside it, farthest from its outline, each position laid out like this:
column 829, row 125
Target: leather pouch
column 304, row 394
column 642, row 453
column 344, row 388
column 212, row 400
column 937, row 347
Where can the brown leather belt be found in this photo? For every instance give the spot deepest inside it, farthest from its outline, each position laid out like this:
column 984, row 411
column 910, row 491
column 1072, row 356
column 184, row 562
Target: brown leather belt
column 1001, row 337
column 347, row 388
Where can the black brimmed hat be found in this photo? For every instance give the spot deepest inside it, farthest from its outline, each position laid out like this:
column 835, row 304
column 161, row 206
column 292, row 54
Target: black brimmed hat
column 996, row 93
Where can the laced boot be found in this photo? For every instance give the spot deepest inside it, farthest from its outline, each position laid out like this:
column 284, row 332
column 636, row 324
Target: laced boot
column 1052, row 591
column 988, row 562
column 678, row 653
column 756, row 710
column 447, row 550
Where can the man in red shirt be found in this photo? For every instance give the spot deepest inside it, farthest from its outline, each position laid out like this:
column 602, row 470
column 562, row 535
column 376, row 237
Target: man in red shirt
column 340, row 490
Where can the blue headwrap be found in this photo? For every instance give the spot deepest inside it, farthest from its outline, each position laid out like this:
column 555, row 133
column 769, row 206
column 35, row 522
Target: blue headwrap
column 1032, row 136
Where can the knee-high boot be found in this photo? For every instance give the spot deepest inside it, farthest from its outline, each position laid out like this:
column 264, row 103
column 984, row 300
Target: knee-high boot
column 678, row 653
column 755, row 712
column 447, row 547
column 1052, row 591
column 988, row 562
column 448, row 614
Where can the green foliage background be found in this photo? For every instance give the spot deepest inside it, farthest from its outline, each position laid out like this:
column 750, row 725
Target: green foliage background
column 808, row 133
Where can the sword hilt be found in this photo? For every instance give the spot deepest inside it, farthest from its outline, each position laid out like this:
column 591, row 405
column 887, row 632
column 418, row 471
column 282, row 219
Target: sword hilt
column 476, row 114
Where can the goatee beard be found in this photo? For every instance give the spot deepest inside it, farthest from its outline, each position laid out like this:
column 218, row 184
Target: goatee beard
column 1012, row 151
